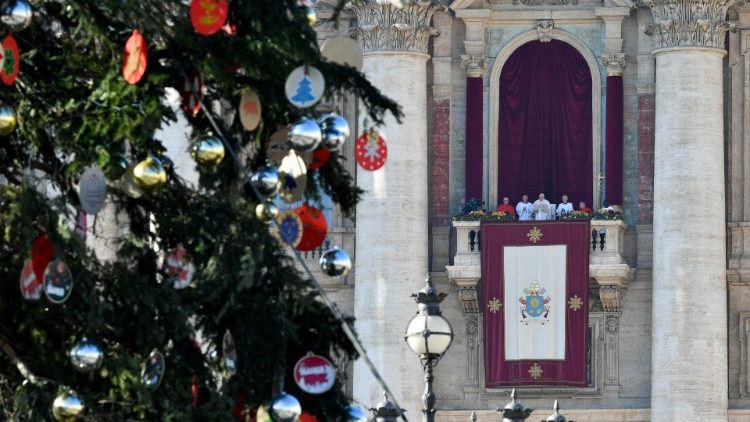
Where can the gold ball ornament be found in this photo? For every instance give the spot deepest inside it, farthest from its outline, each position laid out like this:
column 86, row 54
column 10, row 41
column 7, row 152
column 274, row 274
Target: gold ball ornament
column 8, row 120
column 208, row 151
column 67, row 407
column 266, row 212
column 150, row 174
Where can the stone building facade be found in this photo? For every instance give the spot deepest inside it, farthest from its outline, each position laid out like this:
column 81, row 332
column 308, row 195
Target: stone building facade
column 669, row 306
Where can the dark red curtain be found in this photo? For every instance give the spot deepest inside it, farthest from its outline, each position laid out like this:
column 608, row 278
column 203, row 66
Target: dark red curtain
column 545, row 124
column 573, row 370
column 614, row 137
column 474, row 140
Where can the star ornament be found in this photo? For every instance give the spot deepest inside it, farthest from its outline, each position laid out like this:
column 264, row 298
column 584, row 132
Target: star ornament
column 370, row 150
column 535, row 371
column 534, row 235
column 575, row 303
column 494, row 305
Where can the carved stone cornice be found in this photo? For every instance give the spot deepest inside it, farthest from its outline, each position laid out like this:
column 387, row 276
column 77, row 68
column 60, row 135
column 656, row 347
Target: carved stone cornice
column 544, row 29
column 614, row 62
column 381, row 26
column 689, row 23
column 475, row 66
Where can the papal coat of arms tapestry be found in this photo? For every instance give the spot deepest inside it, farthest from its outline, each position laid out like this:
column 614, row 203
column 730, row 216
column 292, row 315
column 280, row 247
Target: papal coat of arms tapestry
column 533, row 336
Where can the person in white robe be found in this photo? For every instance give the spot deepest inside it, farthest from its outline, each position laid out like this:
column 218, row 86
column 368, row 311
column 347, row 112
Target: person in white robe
column 524, row 209
column 542, row 209
column 564, row 207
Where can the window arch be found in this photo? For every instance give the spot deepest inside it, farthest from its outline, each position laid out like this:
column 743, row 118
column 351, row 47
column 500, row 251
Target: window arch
column 494, row 130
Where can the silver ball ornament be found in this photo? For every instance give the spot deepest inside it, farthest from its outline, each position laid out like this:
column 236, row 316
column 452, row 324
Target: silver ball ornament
column 357, row 413
column 86, row 356
column 285, row 408
column 305, row 135
column 67, row 407
column 17, row 15
column 335, row 130
column 335, row 263
column 266, row 180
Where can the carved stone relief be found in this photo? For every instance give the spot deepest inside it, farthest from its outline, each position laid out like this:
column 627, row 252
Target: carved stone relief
column 694, row 23
column 383, row 27
column 544, row 28
column 475, row 66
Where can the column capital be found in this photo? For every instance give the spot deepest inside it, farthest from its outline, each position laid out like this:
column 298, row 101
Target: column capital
column 475, row 66
column 382, row 26
column 689, row 23
column 614, row 62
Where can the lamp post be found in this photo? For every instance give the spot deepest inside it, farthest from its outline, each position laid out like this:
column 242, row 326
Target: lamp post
column 386, row 411
column 429, row 336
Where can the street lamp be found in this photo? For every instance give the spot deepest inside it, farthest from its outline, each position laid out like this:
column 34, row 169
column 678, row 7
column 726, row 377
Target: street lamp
column 429, row 336
column 386, row 411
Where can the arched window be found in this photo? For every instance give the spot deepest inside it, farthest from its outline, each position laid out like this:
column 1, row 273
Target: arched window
column 545, row 123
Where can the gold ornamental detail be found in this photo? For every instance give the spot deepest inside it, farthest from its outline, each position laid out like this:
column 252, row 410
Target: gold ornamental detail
column 534, row 235
column 494, row 305
column 575, row 303
column 535, row 371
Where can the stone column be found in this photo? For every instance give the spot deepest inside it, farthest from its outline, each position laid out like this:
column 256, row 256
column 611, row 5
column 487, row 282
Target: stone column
column 392, row 218
column 689, row 329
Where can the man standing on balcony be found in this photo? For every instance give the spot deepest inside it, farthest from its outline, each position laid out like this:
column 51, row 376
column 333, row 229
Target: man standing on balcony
column 506, row 207
column 524, row 209
column 564, row 207
column 541, row 208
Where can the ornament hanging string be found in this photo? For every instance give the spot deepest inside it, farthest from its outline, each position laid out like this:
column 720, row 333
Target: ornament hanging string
column 323, row 295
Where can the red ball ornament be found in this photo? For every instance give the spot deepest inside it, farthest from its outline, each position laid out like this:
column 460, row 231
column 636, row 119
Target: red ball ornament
column 307, row 417
column 10, row 59
column 314, row 227
column 370, row 150
column 208, row 16
column 135, row 59
column 319, row 158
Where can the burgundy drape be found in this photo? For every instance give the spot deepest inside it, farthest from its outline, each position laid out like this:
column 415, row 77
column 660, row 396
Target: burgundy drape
column 474, row 138
column 614, row 137
column 573, row 370
column 545, row 134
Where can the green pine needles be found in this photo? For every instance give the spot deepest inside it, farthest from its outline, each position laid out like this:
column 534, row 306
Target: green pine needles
column 74, row 110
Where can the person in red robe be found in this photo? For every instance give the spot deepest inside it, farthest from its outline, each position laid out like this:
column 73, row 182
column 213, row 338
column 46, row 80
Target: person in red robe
column 584, row 209
column 506, row 207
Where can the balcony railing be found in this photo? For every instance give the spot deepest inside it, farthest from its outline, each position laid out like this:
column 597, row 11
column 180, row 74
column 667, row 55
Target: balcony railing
column 607, row 262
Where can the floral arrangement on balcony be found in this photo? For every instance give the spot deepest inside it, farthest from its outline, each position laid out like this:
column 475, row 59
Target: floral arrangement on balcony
column 500, row 216
column 576, row 215
column 473, row 210
column 612, row 212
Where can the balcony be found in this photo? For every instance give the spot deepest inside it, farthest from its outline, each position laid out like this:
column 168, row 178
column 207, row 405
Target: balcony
column 607, row 264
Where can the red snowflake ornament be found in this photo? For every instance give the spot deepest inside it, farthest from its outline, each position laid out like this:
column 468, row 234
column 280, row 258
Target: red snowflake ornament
column 370, row 150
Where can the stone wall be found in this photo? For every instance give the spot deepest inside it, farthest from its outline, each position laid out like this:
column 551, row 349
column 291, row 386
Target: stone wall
column 630, row 398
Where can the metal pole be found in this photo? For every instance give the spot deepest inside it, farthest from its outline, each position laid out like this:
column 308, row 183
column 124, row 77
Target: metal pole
column 428, row 398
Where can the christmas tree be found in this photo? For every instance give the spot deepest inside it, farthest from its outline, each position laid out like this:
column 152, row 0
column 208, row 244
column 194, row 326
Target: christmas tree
column 75, row 111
